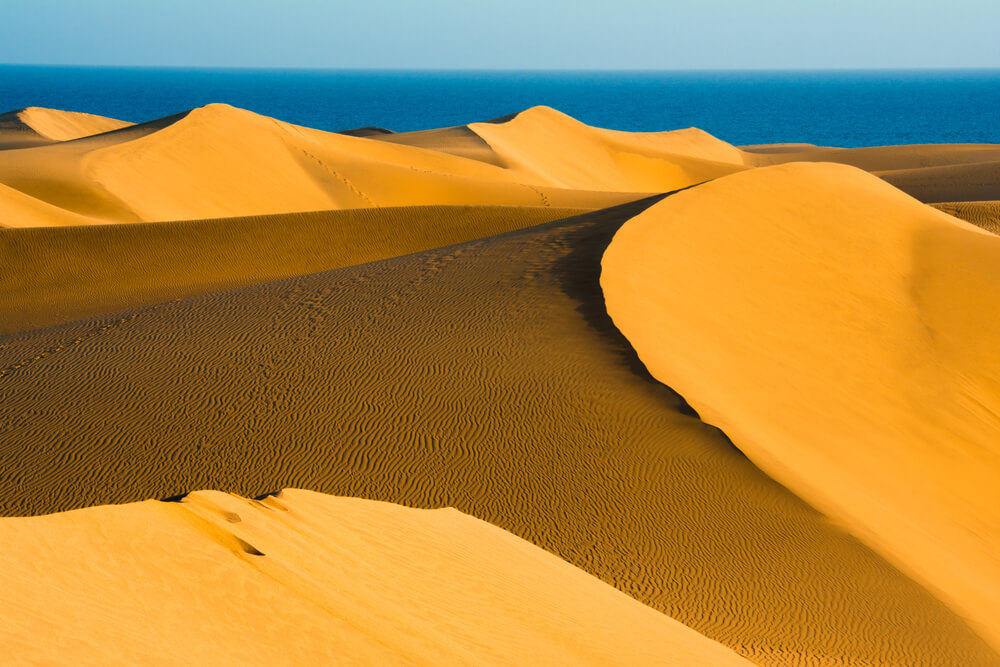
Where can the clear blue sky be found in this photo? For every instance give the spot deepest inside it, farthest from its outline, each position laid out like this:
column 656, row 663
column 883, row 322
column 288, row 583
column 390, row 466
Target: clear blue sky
column 514, row 34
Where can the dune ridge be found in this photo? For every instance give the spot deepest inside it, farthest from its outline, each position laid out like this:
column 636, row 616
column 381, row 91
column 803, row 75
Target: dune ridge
column 855, row 364
column 484, row 376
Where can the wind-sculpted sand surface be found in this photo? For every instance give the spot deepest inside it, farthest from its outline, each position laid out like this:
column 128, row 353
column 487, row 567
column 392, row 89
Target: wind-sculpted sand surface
column 221, row 300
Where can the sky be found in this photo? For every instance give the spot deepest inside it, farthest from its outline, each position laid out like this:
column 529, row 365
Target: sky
column 513, row 34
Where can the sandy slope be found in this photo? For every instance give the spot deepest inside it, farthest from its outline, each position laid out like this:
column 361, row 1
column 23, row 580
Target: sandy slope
column 218, row 161
column 57, row 275
column 845, row 337
column 35, row 126
column 304, row 578
column 484, row 376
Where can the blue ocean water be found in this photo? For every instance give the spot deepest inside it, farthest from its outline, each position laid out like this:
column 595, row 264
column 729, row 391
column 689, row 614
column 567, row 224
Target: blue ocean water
column 835, row 108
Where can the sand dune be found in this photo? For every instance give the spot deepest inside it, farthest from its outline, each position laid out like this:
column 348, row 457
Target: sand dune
column 35, row 126
column 484, row 376
column 20, row 210
column 218, row 161
column 48, row 276
column 303, row 578
column 844, row 336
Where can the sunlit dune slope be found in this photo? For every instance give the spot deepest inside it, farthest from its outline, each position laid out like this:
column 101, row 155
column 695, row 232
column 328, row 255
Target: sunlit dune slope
column 545, row 146
column 57, row 275
column 35, row 126
column 984, row 214
column 845, row 337
column 304, row 578
column 484, row 376
column 219, row 161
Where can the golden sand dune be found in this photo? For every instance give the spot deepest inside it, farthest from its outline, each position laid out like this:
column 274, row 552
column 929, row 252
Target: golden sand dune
column 57, row 275
column 218, row 161
column 543, row 145
column 35, row 126
column 304, row 578
column 984, row 214
column 844, row 336
column 484, row 376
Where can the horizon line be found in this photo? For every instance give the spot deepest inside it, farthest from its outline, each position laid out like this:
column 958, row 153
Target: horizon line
column 508, row 70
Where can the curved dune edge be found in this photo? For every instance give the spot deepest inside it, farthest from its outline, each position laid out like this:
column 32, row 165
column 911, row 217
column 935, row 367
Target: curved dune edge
column 304, row 578
column 844, row 336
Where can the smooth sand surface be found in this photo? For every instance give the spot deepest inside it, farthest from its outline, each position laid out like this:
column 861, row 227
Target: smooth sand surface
column 844, row 336
column 304, row 578
column 484, row 376
column 35, row 126
column 60, row 274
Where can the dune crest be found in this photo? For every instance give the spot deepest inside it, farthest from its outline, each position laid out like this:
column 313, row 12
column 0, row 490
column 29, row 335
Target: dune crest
column 844, row 336
column 305, row 578
column 34, row 126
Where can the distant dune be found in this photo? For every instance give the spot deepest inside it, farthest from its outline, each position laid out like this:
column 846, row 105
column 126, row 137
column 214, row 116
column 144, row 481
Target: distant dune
column 844, row 336
column 36, row 126
column 302, row 578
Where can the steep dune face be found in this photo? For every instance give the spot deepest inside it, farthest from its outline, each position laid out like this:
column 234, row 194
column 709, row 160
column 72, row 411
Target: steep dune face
column 35, row 126
column 844, row 336
column 484, row 376
column 303, row 578
column 48, row 276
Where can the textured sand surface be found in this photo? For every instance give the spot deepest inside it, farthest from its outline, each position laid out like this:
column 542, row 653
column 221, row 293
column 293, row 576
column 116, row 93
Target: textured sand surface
column 59, row 274
column 984, row 214
column 304, row 578
column 484, row 376
column 844, row 336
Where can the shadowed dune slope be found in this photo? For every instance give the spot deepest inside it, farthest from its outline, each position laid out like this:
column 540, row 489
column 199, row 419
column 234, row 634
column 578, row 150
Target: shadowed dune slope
column 951, row 183
column 57, row 275
column 303, row 578
column 983, row 214
column 845, row 337
column 36, row 126
column 484, row 376
column 219, row 161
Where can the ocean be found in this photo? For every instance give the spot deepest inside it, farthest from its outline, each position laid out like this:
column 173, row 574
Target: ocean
column 831, row 108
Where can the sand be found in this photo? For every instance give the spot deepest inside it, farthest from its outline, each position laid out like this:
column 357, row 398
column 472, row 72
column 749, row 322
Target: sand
column 845, row 340
column 303, row 578
column 485, row 376
column 60, row 274
column 35, row 126
column 221, row 300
